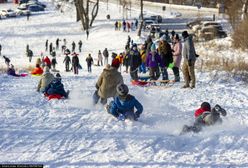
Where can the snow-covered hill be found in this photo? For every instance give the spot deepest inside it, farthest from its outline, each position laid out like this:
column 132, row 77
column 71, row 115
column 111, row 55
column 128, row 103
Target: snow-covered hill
column 74, row 133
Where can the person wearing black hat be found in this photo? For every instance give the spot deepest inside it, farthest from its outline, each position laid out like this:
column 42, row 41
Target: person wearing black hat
column 134, row 61
column 56, row 87
column 123, row 106
column 189, row 55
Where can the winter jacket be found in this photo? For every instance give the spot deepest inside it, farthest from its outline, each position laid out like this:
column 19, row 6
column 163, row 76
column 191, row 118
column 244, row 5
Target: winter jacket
column 89, row 61
column 177, row 54
column 67, row 59
column 12, row 72
column 143, row 56
column 135, row 59
column 45, row 80
column 54, row 61
column 127, row 105
column 37, row 71
column 188, row 51
column 100, row 57
column 47, row 61
column 108, row 81
column 75, row 61
column 56, row 87
column 126, row 59
column 105, row 53
column 153, row 63
column 165, row 52
column 199, row 112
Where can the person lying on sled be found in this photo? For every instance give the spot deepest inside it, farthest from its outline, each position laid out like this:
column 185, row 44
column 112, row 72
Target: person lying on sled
column 37, row 70
column 205, row 117
column 11, row 71
column 123, row 105
column 56, row 87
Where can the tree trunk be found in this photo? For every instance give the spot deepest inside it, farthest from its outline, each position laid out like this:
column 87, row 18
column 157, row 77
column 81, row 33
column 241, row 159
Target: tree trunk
column 94, row 12
column 141, row 18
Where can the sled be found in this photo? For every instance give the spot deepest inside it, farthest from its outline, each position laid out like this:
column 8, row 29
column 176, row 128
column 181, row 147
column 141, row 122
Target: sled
column 139, row 83
column 35, row 75
column 23, row 74
column 53, row 96
column 144, row 78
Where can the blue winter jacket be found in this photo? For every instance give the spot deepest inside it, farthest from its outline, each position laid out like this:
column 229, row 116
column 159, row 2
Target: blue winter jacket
column 120, row 106
column 56, row 87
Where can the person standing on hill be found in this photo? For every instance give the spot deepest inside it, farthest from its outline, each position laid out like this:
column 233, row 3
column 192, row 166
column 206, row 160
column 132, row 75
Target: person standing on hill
column 80, row 46
column 135, row 62
column 46, row 45
column 106, row 55
column 73, row 46
column 75, row 63
column 67, row 62
column 50, row 48
column 189, row 56
column 89, row 61
column 57, row 43
column 99, row 61
column 0, row 49
column 6, row 60
column 177, row 57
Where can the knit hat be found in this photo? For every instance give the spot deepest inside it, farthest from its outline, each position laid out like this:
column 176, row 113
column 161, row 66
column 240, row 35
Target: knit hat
column 206, row 106
column 115, row 63
column 122, row 89
column 153, row 47
column 46, row 69
column 58, row 76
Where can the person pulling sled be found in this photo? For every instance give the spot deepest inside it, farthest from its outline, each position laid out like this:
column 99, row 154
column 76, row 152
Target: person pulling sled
column 205, row 116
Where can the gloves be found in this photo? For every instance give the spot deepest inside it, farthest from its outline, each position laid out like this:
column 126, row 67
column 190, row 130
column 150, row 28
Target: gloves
column 189, row 62
column 121, row 117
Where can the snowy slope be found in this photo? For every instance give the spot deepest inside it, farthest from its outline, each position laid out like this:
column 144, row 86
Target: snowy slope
column 74, row 133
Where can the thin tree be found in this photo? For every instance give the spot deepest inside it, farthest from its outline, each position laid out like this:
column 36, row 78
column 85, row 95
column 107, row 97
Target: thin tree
column 141, row 18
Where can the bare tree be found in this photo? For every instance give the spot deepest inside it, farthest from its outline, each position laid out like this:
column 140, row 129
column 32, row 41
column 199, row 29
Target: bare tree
column 84, row 9
column 141, row 18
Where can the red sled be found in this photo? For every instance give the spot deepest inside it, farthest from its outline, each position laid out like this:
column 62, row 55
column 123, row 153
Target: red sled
column 53, row 96
column 139, row 83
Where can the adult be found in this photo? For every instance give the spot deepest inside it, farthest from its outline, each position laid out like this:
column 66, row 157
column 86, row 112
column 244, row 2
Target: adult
column 47, row 61
column 99, row 61
column 164, row 50
column 189, row 56
column 46, row 45
column 11, row 71
column 67, row 62
column 45, row 80
column 57, row 43
column 50, row 48
column 0, row 49
column 75, row 63
column 53, row 63
column 106, row 55
column 177, row 56
column 135, row 62
column 107, row 82
column 73, row 46
column 80, row 43
column 89, row 61
column 30, row 55
column 6, row 60
column 153, row 61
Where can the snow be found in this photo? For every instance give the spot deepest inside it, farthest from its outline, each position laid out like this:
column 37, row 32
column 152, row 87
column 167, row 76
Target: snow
column 74, row 133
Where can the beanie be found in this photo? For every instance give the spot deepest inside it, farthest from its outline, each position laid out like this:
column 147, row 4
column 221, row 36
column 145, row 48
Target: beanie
column 115, row 63
column 122, row 89
column 153, row 47
column 206, row 106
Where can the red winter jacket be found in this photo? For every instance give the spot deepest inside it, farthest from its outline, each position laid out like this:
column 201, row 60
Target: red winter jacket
column 199, row 111
column 47, row 61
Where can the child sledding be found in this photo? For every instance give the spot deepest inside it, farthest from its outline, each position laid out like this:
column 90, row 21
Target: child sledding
column 122, row 107
column 205, row 116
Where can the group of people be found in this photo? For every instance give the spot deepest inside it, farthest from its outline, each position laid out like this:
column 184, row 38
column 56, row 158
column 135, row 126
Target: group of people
column 126, row 26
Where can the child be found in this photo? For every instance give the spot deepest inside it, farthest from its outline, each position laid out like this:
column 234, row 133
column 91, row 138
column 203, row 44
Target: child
column 11, row 71
column 205, row 117
column 123, row 105
column 37, row 71
column 56, row 87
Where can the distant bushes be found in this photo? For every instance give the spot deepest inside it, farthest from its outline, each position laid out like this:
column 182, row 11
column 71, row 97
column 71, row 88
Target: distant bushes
column 240, row 36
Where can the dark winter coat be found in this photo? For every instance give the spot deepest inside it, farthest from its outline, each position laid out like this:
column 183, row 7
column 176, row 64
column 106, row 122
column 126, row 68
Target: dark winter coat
column 105, row 53
column 54, row 61
column 135, row 59
column 56, row 87
column 12, row 72
column 67, row 59
column 165, row 52
column 75, row 61
column 89, row 61
column 123, row 106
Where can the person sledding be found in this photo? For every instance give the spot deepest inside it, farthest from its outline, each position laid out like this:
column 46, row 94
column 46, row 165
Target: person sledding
column 123, row 106
column 46, row 78
column 11, row 71
column 205, row 116
column 56, row 88
column 37, row 71
column 107, row 82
